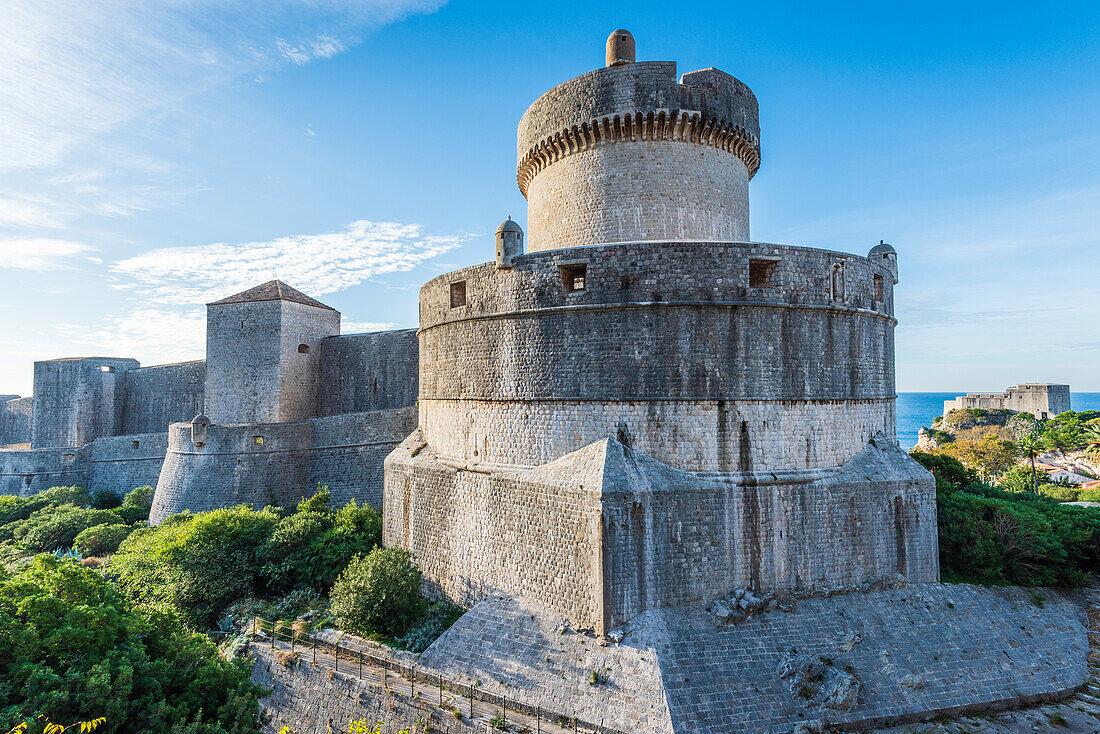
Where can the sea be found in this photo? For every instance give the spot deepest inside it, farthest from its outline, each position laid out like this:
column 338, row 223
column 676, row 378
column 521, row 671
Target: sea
column 916, row 409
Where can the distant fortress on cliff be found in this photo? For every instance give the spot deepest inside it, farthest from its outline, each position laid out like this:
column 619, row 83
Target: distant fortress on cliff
column 1041, row 399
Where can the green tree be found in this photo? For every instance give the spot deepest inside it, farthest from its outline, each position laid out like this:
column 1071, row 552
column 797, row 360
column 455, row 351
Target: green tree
column 378, row 593
column 1090, row 436
column 990, row 456
column 1031, row 445
column 73, row 649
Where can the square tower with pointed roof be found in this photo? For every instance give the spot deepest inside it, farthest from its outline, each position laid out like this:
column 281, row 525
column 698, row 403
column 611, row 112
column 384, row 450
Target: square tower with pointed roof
column 263, row 361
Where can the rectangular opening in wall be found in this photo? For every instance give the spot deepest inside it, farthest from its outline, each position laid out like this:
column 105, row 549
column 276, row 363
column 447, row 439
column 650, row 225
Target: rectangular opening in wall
column 134, row 444
column 68, row 457
column 106, row 368
column 458, row 294
column 303, row 349
column 258, row 440
column 880, row 288
column 762, row 273
column 572, row 276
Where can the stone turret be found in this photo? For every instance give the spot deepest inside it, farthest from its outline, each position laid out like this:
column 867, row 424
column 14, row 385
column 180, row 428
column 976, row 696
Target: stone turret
column 263, row 357
column 509, row 242
column 78, row 400
column 620, row 48
column 627, row 154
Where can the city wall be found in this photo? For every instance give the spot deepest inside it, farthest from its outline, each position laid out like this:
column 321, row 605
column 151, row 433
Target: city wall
column 348, row 452
column 15, row 420
column 157, row 396
column 29, row 471
column 363, row 372
column 121, row 463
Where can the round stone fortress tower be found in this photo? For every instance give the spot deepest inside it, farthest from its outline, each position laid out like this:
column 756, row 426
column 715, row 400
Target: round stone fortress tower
column 646, row 409
column 627, row 154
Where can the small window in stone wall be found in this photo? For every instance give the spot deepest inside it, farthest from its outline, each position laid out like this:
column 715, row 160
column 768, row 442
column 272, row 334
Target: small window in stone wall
column 68, row 457
column 134, row 444
column 762, row 273
column 258, row 440
column 458, row 294
column 573, row 276
column 303, row 349
column 880, row 288
column 106, row 368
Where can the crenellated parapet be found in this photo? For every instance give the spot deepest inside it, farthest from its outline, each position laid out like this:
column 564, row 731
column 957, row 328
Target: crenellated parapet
column 685, row 126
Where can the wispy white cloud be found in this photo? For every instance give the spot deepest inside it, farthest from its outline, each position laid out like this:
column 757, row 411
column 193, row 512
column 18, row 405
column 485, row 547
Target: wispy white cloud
column 358, row 327
column 168, row 286
column 155, row 335
column 323, row 47
column 40, row 253
column 317, row 263
column 71, row 69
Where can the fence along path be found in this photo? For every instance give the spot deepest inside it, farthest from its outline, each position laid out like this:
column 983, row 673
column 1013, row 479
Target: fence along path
column 414, row 684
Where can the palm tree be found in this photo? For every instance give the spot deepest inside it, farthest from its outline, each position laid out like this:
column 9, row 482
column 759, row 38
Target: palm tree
column 1091, row 438
column 1030, row 445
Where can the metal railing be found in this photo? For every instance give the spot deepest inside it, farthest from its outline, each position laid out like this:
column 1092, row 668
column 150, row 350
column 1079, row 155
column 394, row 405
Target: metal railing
column 307, row 643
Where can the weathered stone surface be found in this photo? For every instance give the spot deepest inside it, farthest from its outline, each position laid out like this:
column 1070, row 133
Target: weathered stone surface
column 975, row 648
column 606, row 533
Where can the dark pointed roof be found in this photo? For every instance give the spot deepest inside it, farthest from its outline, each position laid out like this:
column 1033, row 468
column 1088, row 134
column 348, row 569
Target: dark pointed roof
column 272, row 290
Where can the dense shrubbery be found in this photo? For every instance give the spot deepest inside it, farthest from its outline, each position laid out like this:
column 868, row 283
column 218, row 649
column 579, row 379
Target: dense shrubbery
column 990, row 536
column 101, row 540
column 76, row 643
column 378, row 593
column 199, row 564
column 72, row 648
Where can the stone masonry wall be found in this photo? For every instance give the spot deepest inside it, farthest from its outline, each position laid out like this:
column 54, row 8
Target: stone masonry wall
column 27, row 472
column 78, row 400
column 121, row 463
column 15, row 420
column 375, row 371
column 303, row 329
column 233, row 468
column 475, row 534
column 157, row 396
column 606, row 533
column 311, row 699
column 639, row 191
column 349, row 450
column 724, row 436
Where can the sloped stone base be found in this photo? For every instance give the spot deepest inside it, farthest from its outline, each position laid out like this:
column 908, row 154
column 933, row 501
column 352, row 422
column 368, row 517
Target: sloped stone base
column 916, row 653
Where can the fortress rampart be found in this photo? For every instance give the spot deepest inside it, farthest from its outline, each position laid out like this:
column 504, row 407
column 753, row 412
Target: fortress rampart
column 299, row 405
column 157, row 396
column 626, row 153
column 667, row 346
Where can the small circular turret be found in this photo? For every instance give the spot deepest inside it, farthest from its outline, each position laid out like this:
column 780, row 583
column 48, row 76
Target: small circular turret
column 620, row 48
column 884, row 254
column 509, row 242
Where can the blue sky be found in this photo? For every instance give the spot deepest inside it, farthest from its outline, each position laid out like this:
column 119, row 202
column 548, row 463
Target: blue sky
column 158, row 156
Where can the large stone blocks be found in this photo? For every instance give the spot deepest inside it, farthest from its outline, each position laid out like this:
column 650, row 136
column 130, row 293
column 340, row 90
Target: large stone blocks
column 607, row 533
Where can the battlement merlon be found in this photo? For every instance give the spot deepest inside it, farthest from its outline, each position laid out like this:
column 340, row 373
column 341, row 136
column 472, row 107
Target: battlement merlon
column 639, row 101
